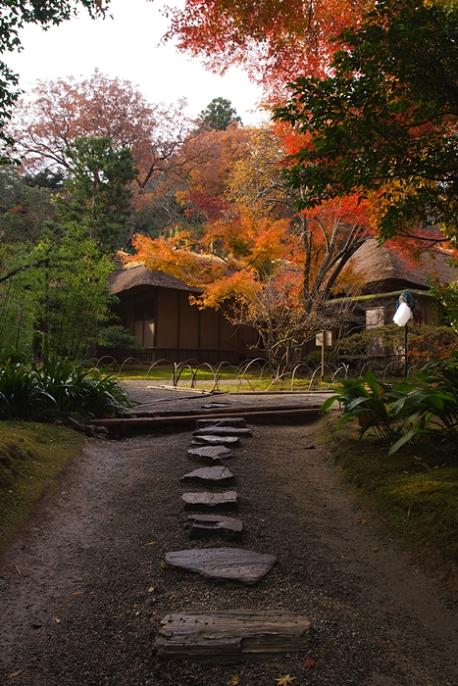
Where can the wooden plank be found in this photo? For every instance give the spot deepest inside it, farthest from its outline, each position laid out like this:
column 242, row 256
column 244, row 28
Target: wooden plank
column 179, row 422
column 232, row 635
column 222, row 421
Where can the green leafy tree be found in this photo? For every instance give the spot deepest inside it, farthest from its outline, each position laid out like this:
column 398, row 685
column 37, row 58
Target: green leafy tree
column 97, row 196
column 59, row 303
column 15, row 14
column 385, row 121
column 23, row 207
column 218, row 114
column 73, row 295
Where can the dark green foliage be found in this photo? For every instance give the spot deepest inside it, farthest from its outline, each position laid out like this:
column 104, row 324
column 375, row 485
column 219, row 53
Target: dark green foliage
column 367, row 400
column 387, row 114
column 448, row 297
column 73, row 294
column 24, row 207
column 97, row 195
column 429, row 405
column 45, row 178
column 218, row 114
column 425, row 343
column 424, row 405
column 117, row 336
column 58, row 388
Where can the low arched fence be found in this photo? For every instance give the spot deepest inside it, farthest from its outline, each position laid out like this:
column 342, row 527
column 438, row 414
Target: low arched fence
column 256, row 374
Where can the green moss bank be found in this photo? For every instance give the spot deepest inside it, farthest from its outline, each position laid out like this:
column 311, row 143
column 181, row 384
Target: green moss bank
column 32, row 456
column 414, row 491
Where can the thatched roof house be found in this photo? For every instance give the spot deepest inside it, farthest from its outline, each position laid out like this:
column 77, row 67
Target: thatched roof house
column 386, row 273
column 155, row 308
column 137, row 275
column 385, row 269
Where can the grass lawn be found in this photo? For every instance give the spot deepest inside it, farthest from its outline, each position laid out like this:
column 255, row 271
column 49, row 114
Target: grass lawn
column 32, row 456
column 165, row 373
column 414, row 491
column 229, row 381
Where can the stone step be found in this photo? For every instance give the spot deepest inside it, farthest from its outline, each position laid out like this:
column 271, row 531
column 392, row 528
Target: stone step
column 222, row 421
column 223, row 564
column 207, row 439
column 232, row 636
column 211, row 453
column 204, row 525
column 216, row 430
column 206, row 500
column 210, row 475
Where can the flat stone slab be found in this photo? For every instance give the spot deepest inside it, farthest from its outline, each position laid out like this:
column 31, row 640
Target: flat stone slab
column 232, row 636
column 210, row 475
column 211, row 453
column 223, row 564
column 223, row 431
column 222, row 421
column 207, row 500
column 207, row 439
column 201, row 526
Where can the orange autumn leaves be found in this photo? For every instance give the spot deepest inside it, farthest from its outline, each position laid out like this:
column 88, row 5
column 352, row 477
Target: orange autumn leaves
column 274, row 40
column 250, row 235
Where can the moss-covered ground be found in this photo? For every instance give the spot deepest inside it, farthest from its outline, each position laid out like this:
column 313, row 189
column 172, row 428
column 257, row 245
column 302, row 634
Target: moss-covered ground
column 414, row 491
column 32, row 456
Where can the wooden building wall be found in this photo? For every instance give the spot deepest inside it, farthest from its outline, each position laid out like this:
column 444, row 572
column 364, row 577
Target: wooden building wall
column 166, row 325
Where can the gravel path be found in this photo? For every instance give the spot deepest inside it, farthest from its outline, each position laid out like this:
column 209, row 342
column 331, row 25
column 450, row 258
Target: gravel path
column 82, row 592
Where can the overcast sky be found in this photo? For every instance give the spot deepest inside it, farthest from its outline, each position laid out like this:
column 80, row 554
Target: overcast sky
column 128, row 46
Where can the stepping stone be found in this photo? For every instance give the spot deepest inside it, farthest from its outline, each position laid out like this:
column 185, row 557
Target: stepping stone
column 205, row 499
column 222, row 421
column 232, row 636
column 212, row 453
column 223, row 564
column 210, row 525
column 210, row 475
column 222, row 431
column 206, row 439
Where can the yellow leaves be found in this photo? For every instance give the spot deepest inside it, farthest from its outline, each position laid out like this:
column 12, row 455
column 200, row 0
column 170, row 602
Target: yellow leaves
column 234, row 680
column 285, row 680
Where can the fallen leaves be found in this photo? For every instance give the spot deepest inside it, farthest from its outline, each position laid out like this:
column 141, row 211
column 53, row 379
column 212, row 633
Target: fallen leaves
column 309, row 662
column 285, row 680
column 234, row 681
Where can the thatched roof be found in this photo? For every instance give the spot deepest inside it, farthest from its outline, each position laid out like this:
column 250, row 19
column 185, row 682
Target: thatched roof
column 379, row 264
column 138, row 275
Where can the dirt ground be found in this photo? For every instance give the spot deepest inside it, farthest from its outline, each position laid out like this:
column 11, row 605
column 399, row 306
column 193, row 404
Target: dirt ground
column 83, row 590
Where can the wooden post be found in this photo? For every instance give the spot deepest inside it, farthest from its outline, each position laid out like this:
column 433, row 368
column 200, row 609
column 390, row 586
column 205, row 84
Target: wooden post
column 323, row 343
column 406, row 362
